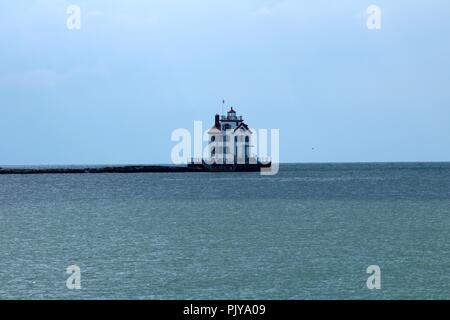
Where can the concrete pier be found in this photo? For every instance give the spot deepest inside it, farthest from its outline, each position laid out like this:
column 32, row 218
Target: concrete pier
column 135, row 169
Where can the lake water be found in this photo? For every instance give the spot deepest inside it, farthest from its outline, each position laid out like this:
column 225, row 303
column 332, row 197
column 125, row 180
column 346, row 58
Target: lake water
column 309, row 232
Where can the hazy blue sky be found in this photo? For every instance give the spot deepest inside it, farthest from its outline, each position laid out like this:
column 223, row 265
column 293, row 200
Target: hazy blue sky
column 113, row 91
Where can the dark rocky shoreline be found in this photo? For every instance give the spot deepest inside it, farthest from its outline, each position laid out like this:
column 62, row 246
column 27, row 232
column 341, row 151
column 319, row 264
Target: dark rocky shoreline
column 107, row 169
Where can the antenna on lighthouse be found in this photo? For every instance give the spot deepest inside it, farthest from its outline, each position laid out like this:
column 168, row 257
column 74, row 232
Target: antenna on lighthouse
column 223, row 103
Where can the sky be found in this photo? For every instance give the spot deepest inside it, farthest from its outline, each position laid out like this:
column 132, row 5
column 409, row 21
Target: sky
column 113, row 91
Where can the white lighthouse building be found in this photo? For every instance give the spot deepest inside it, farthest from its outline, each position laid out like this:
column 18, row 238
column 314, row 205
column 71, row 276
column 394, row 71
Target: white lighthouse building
column 230, row 140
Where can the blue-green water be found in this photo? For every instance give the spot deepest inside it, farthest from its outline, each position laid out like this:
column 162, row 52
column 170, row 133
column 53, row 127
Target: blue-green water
column 309, row 232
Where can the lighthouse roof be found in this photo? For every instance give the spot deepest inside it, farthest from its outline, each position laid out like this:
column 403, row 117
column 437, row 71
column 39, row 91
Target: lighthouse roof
column 231, row 110
column 242, row 126
column 213, row 130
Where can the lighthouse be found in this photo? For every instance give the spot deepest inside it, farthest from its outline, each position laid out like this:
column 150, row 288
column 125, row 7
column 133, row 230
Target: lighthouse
column 230, row 140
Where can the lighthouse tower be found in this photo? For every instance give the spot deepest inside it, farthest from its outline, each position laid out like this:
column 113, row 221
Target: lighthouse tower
column 230, row 139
